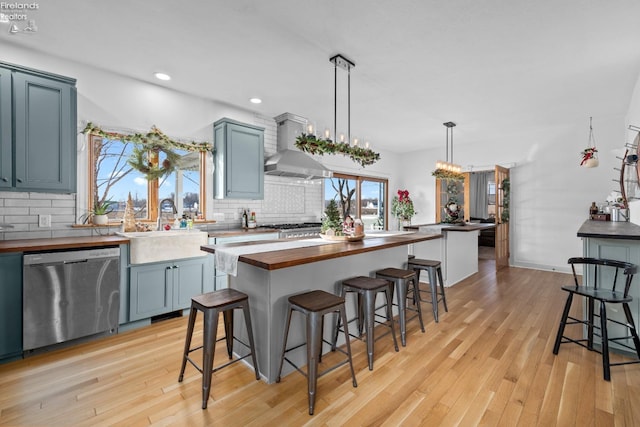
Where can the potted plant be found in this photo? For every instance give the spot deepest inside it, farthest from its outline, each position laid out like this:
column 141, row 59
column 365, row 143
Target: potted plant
column 100, row 211
column 402, row 208
column 331, row 223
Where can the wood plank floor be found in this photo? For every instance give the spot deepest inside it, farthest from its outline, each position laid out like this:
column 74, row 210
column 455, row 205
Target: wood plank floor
column 488, row 362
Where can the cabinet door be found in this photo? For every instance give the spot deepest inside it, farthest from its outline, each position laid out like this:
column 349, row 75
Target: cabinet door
column 45, row 133
column 150, row 291
column 6, row 134
column 239, row 161
column 10, row 306
column 191, row 278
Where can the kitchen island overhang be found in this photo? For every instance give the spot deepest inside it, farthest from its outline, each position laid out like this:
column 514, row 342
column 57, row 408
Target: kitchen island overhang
column 269, row 278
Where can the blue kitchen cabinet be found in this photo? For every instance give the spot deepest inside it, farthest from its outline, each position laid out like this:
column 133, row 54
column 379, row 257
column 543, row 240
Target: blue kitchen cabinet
column 38, row 112
column 10, row 306
column 239, row 160
column 6, row 132
column 159, row 288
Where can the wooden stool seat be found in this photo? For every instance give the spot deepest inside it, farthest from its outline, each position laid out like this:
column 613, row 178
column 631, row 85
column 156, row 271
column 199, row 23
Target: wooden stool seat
column 406, row 283
column 211, row 305
column 314, row 305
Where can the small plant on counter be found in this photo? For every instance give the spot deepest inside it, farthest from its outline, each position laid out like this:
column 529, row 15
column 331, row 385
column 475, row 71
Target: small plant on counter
column 103, row 207
column 331, row 223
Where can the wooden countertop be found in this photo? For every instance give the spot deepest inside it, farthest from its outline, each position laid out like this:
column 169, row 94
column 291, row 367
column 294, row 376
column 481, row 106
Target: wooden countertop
column 468, row 226
column 241, row 232
column 610, row 230
column 293, row 257
column 28, row 245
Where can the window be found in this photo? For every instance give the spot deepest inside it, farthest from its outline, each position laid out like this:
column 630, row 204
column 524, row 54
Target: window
column 359, row 197
column 112, row 178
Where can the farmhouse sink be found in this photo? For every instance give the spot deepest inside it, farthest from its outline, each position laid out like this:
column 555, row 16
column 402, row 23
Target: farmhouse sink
column 155, row 246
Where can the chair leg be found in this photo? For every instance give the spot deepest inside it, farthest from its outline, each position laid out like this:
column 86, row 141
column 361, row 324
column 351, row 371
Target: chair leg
column 247, row 321
column 388, row 293
column 444, row 298
column 284, row 342
column 632, row 327
column 227, row 316
column 416, row 302
column 187, row 341
column 369, row 303
column 209, row 348
column 590, row 325
column 343, row 315
column 314, row 339
column 605, row 342
column 434, row 293
column 402, row 285
column 563, row 323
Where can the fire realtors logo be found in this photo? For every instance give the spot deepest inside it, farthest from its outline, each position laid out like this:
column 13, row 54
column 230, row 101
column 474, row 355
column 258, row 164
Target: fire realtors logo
column 13, row 12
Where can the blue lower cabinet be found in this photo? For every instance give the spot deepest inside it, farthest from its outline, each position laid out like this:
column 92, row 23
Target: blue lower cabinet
column 160, row 288
column 10, row 306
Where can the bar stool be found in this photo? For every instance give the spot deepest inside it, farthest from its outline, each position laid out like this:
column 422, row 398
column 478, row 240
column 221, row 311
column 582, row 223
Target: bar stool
column 367, row 289
column 406, row 284
column 211, row 304
column 433, row 268
column 314, row 305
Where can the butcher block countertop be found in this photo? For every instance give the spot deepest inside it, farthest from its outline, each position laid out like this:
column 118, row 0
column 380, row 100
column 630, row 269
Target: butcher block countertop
column 292, row 257
column 28, row 245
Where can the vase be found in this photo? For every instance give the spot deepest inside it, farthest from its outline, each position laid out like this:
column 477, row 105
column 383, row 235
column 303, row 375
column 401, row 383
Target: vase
column 403, row 223
column 100, row 219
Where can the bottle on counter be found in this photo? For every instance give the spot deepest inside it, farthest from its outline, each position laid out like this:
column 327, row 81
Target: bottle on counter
column 245, row 219
column 593, row 210
column 252, row 221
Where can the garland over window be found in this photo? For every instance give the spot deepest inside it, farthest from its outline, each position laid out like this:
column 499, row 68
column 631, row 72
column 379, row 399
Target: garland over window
column 154, row 141
column 312, row 145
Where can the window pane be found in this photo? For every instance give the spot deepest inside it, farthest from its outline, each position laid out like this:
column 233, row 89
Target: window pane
column 185, row 182
column 343, row 191
column 115, row 178
column 372, row 205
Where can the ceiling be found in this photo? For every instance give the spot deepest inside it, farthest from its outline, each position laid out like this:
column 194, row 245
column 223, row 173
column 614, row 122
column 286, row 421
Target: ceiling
column 492, row 66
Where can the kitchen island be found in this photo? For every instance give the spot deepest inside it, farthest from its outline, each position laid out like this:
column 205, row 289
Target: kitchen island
column 269, row 278
column 619, row 241
column 457, row 250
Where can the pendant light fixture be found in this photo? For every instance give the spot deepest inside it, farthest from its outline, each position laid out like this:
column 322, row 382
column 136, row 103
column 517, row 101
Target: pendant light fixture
column 313, row 144
column 589, row 156
column 448, row 169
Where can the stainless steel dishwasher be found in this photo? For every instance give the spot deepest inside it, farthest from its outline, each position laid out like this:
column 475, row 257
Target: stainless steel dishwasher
column 69, row 294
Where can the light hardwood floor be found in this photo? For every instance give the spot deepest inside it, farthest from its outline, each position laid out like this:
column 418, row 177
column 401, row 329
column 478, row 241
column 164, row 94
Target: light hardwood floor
column 488, row 362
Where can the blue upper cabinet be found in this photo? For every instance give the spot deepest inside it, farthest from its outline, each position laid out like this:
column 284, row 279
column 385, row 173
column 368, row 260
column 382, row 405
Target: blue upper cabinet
column 6, row 130
column 239, row 160
column 41, row 148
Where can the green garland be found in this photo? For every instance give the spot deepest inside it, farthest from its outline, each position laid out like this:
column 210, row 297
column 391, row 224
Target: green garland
column 312, row 145
column 152, row 141
column 448, row 175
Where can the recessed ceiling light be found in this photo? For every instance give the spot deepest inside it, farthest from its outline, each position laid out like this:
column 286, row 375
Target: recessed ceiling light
column 162, row 76
column 256, row 100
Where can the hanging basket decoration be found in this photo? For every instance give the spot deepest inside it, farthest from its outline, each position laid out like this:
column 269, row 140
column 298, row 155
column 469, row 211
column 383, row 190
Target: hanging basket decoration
column 309, row 143
column 589, row 158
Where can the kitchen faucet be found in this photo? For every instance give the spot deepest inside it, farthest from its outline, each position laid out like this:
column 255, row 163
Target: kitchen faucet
column 173, row 205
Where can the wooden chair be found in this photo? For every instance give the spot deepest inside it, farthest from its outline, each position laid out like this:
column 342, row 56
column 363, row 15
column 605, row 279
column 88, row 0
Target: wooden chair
column 600, row 283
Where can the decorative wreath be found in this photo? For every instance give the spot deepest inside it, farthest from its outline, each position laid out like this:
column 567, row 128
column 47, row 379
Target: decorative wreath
column 139, row 160
column 312, row 145
column 448, row 175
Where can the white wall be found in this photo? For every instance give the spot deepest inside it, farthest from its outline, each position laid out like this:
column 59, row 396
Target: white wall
column 550, row 193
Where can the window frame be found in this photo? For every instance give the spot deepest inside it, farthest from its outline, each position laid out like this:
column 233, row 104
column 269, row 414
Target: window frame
column 358, row 199
column 153, row 186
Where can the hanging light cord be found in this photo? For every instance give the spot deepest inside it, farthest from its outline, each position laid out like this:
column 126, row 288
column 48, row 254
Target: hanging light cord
column 592, row 140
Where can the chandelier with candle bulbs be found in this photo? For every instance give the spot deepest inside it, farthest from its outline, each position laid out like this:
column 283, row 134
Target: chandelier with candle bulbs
column 445, row 169
column 313, row 144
